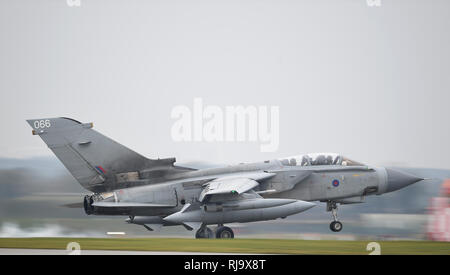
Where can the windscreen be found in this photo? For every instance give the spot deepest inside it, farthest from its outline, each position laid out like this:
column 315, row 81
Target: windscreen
column 316, row 159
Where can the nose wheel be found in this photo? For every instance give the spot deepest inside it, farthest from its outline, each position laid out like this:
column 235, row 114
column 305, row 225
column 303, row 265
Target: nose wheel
column 335, row 225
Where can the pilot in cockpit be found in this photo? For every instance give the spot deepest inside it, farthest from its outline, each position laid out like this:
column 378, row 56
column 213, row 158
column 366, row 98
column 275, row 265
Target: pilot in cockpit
column 306, row 161
column 320, row 160
column 293, row 162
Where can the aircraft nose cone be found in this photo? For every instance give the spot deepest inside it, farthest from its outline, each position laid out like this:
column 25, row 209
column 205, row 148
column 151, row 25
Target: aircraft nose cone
column 397, row 180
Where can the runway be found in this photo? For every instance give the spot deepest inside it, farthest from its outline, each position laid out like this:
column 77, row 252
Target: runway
column 165, row 246
column 21, row 251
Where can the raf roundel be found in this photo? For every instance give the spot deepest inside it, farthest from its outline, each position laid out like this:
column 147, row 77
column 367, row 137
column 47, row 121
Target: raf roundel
column 335, row 183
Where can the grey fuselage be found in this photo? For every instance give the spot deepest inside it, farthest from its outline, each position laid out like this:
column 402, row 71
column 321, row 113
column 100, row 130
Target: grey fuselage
column 155, row 192
column 307, row 183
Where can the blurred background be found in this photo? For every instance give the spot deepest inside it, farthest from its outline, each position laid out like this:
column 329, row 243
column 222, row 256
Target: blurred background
column 37, row 193
column 367, row 81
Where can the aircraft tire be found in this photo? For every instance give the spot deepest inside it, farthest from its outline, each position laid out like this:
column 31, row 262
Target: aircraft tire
column 336, row 226
column 224, row 232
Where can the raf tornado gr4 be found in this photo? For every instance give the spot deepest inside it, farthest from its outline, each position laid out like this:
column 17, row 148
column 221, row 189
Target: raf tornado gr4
column 156, row 192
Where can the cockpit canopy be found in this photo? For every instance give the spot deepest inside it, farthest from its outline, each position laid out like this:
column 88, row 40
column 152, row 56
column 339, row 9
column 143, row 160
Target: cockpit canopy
column 315, row 159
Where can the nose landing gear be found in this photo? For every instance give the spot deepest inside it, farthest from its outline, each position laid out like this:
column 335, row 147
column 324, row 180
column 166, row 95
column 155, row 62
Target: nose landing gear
column 335, row 225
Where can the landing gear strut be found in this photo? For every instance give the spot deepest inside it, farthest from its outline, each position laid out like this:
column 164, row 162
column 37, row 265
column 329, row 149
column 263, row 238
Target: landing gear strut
column 204, row 233
column 224, row 232
column 335, row 225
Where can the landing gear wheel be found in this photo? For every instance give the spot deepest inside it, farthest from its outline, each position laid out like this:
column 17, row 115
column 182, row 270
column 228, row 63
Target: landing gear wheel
column 224, row 232
column 204, row 233
column 336, row 226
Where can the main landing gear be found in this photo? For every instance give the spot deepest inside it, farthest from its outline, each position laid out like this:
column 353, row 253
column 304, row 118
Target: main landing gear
column 204, row 233
column 221, row 232
column 224, row 232
column 335, row 225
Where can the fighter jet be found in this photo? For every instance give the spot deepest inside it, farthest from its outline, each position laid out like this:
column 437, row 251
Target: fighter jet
column 156, row 192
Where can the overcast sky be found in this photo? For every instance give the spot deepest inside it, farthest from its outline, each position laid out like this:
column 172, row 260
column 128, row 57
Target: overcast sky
column 372, row 83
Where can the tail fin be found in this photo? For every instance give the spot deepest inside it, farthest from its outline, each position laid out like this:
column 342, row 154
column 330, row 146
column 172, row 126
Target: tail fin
column 92, row 158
